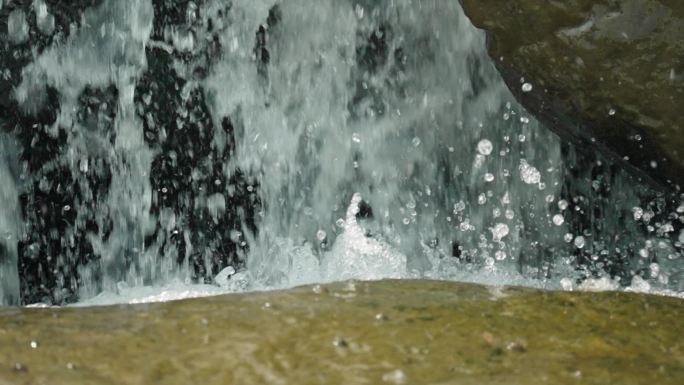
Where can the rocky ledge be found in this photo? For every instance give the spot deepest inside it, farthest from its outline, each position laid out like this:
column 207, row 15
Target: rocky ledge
column 354, row 333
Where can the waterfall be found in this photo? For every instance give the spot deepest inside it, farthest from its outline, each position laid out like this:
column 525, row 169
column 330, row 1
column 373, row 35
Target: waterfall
column 291, row 142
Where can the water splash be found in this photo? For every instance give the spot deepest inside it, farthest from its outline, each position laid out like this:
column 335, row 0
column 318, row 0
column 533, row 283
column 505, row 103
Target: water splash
column 223, row 142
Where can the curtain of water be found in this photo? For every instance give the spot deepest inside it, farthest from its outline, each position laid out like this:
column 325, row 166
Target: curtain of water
column 299, row 107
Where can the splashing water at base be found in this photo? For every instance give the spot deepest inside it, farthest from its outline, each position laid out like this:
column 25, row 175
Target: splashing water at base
column 321, row 105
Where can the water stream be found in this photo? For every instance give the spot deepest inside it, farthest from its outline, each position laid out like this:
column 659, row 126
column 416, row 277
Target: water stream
column 154, row 150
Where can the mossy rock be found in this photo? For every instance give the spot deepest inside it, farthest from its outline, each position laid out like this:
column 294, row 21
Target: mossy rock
column 413, row 332
column 609, row 73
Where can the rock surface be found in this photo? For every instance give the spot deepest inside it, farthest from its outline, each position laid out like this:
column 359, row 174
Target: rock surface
column 365, row 332
column 607, row 72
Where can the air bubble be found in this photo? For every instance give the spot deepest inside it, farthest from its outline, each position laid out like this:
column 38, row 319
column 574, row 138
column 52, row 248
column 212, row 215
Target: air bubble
column 527, row 87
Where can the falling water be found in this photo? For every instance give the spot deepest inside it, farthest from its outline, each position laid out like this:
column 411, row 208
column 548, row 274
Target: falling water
column 260, row 143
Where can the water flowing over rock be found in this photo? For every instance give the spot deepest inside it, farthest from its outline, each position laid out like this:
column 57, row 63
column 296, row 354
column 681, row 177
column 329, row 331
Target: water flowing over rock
column 152, row 142
column 605, row 73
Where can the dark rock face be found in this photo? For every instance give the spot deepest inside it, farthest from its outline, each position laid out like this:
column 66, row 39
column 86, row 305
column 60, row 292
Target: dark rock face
column 606, row 73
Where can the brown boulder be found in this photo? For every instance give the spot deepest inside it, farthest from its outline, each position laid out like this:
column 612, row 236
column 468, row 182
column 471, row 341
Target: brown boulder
column 604, row 72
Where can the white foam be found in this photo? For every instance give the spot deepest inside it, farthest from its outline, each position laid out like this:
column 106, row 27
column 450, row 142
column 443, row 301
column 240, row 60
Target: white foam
column 358, row 256
column 148, row 294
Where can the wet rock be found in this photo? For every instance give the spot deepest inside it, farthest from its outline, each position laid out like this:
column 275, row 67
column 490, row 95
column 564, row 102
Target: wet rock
column 606, row 73
column 526, row 337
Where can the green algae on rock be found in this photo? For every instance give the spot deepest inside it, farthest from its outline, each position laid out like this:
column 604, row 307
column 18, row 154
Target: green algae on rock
column 413, row 332
column 605, row 72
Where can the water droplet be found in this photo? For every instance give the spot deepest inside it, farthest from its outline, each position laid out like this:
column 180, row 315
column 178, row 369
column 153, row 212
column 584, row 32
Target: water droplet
column 416, row 142
column 488, row 177
column 526, row 87
column 499, row 231
column 485, row 147
column 568, row 237
column 550, row 198
column 67, row 207
column 558, row 219
column 356, row 138
column 643, row 253
column 500, row 255
column 562, row 205
column 320, row 235
column 406, row 221
column 83, row 166
column 510, row 214
column 34, row 344
column 611, row 112
column 359, row 11
column 529, row 174
column 458, row 207
column 579, row 241
column 482, row 199
column 638, row 213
